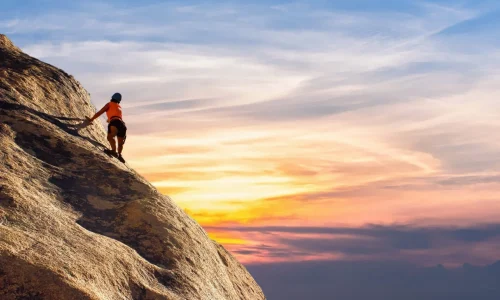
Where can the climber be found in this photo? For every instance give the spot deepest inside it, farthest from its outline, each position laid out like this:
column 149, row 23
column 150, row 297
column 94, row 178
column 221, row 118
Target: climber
column 116, row 126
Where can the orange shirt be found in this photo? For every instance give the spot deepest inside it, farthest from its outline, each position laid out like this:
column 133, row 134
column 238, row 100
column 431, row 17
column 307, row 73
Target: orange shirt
column 114, row 110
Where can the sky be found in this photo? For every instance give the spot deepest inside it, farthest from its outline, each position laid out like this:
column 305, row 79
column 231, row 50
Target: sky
column 301, row 134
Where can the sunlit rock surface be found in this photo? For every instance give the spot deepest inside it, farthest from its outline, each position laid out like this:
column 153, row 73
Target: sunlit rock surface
column 77, row 224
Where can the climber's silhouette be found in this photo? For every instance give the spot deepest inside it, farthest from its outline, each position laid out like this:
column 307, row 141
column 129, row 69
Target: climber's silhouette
column 116, row 126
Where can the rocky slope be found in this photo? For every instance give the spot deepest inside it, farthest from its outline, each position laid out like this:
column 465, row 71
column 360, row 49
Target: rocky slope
column 75, row 224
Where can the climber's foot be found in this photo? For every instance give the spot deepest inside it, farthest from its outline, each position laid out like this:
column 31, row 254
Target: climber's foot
column 111, row 152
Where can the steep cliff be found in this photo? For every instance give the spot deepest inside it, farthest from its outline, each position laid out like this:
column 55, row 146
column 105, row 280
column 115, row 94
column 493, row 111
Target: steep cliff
column 75, row 224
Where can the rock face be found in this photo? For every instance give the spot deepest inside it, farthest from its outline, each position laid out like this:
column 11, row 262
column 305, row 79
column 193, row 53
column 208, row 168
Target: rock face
column 76, row 224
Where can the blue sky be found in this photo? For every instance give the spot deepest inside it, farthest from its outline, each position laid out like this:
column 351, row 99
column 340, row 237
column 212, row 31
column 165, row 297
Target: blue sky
column 321, row 38
column 291, row 123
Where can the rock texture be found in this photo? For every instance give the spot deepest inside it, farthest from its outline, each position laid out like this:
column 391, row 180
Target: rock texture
column 76, row 224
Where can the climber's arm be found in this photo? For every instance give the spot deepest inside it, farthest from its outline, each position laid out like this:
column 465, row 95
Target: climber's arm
column 99, row 113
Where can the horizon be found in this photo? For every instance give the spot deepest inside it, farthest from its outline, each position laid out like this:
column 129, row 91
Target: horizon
column 318, row 131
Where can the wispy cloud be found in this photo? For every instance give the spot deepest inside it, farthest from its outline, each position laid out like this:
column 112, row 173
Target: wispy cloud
column 420, row 245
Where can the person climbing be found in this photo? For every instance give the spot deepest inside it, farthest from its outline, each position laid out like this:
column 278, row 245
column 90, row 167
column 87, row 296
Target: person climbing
column 116, row 126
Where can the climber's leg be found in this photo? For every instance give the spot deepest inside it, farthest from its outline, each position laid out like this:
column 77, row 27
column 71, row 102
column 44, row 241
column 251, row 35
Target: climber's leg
column 112, row 131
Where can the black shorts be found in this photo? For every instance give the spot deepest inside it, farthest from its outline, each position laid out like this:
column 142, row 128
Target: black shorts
column 120, row 125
